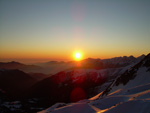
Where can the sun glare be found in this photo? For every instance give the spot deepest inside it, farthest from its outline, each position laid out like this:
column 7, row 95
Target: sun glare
column 78, row 56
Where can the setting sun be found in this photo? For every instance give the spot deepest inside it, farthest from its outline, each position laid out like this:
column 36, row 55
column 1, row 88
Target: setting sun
column 78, row 56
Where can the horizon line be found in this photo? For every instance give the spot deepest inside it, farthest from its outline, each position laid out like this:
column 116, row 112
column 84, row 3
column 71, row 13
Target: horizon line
column 42, row 60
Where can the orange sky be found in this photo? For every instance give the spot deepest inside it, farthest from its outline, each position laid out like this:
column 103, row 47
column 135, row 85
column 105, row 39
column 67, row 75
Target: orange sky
column 53, row 30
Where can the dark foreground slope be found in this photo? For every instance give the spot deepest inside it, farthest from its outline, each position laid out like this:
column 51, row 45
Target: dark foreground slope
column 15, row 82
column 67, row 86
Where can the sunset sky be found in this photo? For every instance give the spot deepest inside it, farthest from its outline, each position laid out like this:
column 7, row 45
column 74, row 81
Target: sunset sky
column 55, row 29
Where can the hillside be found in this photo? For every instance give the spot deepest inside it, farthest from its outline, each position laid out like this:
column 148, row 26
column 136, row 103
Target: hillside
column 128, row 93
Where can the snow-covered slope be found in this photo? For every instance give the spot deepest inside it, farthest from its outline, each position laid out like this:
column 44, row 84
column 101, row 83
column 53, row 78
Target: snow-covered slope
column 133, row 100
column 137, row 75
column 129, row 93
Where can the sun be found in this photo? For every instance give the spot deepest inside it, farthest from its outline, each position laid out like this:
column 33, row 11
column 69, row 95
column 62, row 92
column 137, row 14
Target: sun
column 78, row 56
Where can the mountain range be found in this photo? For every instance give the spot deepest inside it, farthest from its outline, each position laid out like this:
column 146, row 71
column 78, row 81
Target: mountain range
column 96, row 86
column 128, row 93
column 53, row 67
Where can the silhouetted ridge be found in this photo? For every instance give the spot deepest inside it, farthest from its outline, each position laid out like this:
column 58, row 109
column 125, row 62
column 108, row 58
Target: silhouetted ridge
column 15, row 82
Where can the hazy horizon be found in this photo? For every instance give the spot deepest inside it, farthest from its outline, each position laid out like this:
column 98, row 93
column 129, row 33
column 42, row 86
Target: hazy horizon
column 34, row 61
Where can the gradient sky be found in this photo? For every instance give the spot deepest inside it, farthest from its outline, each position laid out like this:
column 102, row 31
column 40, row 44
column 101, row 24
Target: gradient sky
column 55, row 29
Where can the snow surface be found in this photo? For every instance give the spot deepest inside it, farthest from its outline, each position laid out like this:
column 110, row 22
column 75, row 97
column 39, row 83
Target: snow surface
column 132, row 100
column 135, row 106
column 74, row 108
column 53, row 107
column 142, row 77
